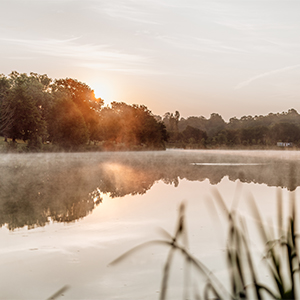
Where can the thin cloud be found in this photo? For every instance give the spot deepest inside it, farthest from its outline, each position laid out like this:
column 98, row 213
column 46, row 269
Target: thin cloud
column 291, row 46
column 129, row 13
column 66, row 48
column 122, row 69
column 247, row 82
column 85, row 53
column 21, row 57
column 200, row 44
column 252, row 25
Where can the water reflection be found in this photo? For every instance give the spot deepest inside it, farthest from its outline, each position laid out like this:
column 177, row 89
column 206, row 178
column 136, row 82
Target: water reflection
column 38, row 189
column 36, row 195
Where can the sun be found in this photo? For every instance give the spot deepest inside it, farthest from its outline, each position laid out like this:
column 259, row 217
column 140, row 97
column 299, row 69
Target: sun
column 104, row 92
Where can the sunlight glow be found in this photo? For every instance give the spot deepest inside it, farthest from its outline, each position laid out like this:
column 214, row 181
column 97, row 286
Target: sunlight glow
column 103, row 92
column 135, row 180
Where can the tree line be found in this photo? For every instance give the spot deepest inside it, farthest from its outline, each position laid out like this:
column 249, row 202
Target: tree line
column 259, row 131
column 66, row 114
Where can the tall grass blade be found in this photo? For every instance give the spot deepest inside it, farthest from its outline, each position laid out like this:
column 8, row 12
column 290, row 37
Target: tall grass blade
column 279, row 213
column 221, row 202
column 215, row 217
column 166, row 273
column 164, row 233
column 267, row 290
column 139, row 247
column 209, row 289
column 272, row 253
column 281, row 254
column 258, row 218
column 187, row 278
column 237, row 196
column 59, row 293
column 180, row 231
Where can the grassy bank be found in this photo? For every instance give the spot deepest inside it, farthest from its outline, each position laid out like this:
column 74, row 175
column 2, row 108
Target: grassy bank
column 224, row 147
column 19, row 146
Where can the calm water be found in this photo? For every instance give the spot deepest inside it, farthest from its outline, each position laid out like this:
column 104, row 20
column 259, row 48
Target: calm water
column 65, row 217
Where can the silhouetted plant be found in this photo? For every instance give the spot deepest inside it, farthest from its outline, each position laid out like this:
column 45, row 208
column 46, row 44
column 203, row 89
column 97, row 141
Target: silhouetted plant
column 281, row 256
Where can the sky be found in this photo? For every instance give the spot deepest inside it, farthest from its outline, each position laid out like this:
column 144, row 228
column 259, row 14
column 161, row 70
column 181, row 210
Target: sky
column 234, row 58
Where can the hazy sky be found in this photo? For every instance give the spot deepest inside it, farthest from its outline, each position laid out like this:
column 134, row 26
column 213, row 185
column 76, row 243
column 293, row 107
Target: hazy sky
column 234, row 58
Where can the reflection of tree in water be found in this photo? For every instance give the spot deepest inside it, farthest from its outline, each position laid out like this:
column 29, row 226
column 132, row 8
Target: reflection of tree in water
column 133, row 177
column 119, row 180
column 43, row 196
column 68, row 189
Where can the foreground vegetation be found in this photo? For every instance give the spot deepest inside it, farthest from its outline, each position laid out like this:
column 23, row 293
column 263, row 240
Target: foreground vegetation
column 281, row 257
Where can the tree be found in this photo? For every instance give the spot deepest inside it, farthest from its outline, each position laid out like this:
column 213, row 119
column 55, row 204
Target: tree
column 171, row 121
column 193, row 135
column 215, row 124
column 285, row 132
column 66, row 123
column 131, row 125
column 84, row 98
column 150, row 132
column 22, row 109
column 5, row 114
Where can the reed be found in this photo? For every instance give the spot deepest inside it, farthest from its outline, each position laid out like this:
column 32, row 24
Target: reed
column 280, row 256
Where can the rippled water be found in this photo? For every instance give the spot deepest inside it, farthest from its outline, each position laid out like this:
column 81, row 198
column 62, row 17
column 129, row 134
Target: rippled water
column 65, row 217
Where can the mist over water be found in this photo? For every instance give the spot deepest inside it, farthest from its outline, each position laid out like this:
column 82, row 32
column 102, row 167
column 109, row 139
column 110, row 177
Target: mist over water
column 64, row 217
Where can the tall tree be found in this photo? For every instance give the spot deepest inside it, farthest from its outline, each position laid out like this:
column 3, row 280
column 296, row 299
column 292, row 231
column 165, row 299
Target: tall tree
column 131, row 125
column 66, row 123
column 193, row 135
column 85, row 100
column 22, row 108
column 5, row 115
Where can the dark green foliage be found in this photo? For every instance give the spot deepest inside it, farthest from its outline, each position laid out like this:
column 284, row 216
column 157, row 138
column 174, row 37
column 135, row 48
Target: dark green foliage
column 215, row 124
column 67, row 127
column 22, row 109
column 171, row 121
column 131, row 125
column 4, row 88
column 66, row 114
column 285, row 132
column 259, row 131
column 193, row 135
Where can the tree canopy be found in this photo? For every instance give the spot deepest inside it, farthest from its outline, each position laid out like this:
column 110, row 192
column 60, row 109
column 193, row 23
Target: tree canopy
column 247, row 131
column 66, row 113
column 131, row 125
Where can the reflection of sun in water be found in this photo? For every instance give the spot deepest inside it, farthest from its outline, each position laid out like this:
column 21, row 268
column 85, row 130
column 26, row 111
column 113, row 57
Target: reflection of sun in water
column 122, row 174
column 125, row 177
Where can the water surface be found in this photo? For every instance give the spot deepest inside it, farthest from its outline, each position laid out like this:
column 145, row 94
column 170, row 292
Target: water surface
column 64, row 217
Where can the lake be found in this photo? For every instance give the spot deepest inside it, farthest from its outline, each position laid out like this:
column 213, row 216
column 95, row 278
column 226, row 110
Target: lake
column 65, row 217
